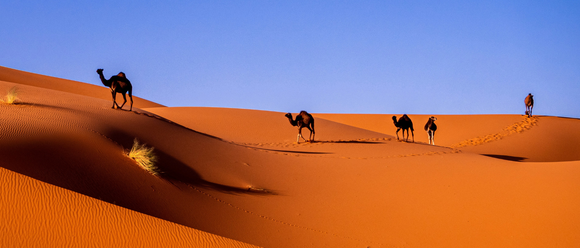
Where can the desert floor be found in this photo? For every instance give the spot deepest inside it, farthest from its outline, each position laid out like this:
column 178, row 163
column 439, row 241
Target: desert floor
column 237, row 177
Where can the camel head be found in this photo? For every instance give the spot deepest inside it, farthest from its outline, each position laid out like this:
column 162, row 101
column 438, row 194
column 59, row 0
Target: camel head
column 292, row 121
column 99, row 71
column 432, row 118
column 395, row 118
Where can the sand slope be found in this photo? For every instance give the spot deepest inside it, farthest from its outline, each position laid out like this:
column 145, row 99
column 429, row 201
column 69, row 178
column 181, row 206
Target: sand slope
column 40, row 214
column 101, row 92
column 239, row 175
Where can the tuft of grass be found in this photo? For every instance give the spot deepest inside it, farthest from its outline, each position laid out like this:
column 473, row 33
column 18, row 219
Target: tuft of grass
column 144, row 157
column 12, row 96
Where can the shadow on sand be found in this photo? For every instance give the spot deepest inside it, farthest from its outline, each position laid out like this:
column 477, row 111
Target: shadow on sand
column 315, row 142
column 348, row 142
column 288, row 151
column 173, row 170
column 505, row 157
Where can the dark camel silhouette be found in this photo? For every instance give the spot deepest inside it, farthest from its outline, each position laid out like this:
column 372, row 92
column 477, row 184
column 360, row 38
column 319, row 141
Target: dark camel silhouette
column 303, row 119
column 529, row 104
column 404, row 123
column 430, row 127
column 118, row 84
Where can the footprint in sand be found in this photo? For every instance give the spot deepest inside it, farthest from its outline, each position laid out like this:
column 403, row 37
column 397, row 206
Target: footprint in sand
column 526, row 124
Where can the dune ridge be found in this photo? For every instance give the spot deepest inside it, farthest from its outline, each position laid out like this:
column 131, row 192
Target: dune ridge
column 64, row 85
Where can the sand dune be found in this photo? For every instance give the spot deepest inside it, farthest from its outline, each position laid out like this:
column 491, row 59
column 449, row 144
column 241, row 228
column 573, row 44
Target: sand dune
column 236, row 177
column 40, row 214
column 101, row 92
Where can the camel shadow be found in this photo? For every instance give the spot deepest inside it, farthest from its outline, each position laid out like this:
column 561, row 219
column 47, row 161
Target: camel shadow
column 347, row 142
column 317, row 142
column 505, row 157
column 289, row 151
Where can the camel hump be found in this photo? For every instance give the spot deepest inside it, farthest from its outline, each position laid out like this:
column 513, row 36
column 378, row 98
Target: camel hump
column 122, row 74
column 529, row 100
column 410, row 122
column 430, row 125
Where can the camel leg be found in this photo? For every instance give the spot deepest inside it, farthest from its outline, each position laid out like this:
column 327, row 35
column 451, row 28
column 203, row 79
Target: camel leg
column 310, row 137
column 299, row 135
column 131, row 98
column 125, row 100
column 303, row 137
column 397, row 133
column 413, row 134
column 114, row 99
column 527, row 110
column 433, row 137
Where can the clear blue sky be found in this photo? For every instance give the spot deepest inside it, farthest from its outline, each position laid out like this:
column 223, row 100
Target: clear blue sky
column 414, row 57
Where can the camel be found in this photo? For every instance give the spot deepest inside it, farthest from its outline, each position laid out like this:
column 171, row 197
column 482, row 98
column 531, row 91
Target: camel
column 430, row 127
column 529, row 104
column 404, row 123
column 304, row 119
column 118, row 84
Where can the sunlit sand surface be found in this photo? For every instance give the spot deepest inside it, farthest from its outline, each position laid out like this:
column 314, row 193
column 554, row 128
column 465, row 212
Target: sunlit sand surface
column 237, row 177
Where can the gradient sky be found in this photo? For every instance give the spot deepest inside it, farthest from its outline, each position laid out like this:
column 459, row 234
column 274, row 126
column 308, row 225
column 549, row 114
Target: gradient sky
column 414, row 57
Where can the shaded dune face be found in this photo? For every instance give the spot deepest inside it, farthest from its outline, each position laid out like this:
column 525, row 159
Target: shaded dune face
column 236, row 177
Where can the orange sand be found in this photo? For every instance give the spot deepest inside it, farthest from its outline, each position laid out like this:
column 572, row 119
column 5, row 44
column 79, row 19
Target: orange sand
column 235, row 177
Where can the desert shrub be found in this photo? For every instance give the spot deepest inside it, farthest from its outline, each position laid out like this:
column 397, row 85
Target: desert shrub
column 12, row 96
column 144, row 157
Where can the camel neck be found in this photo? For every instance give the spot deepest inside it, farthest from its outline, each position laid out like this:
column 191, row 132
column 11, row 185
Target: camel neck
column 104, row 81
column 292, row 122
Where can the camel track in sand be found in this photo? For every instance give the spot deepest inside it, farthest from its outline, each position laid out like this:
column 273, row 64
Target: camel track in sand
column 526, row 124
column 276, row 149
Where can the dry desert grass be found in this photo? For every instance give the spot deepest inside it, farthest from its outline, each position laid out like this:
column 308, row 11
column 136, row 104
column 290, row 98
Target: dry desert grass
column 144, row 157
column 12, row 96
